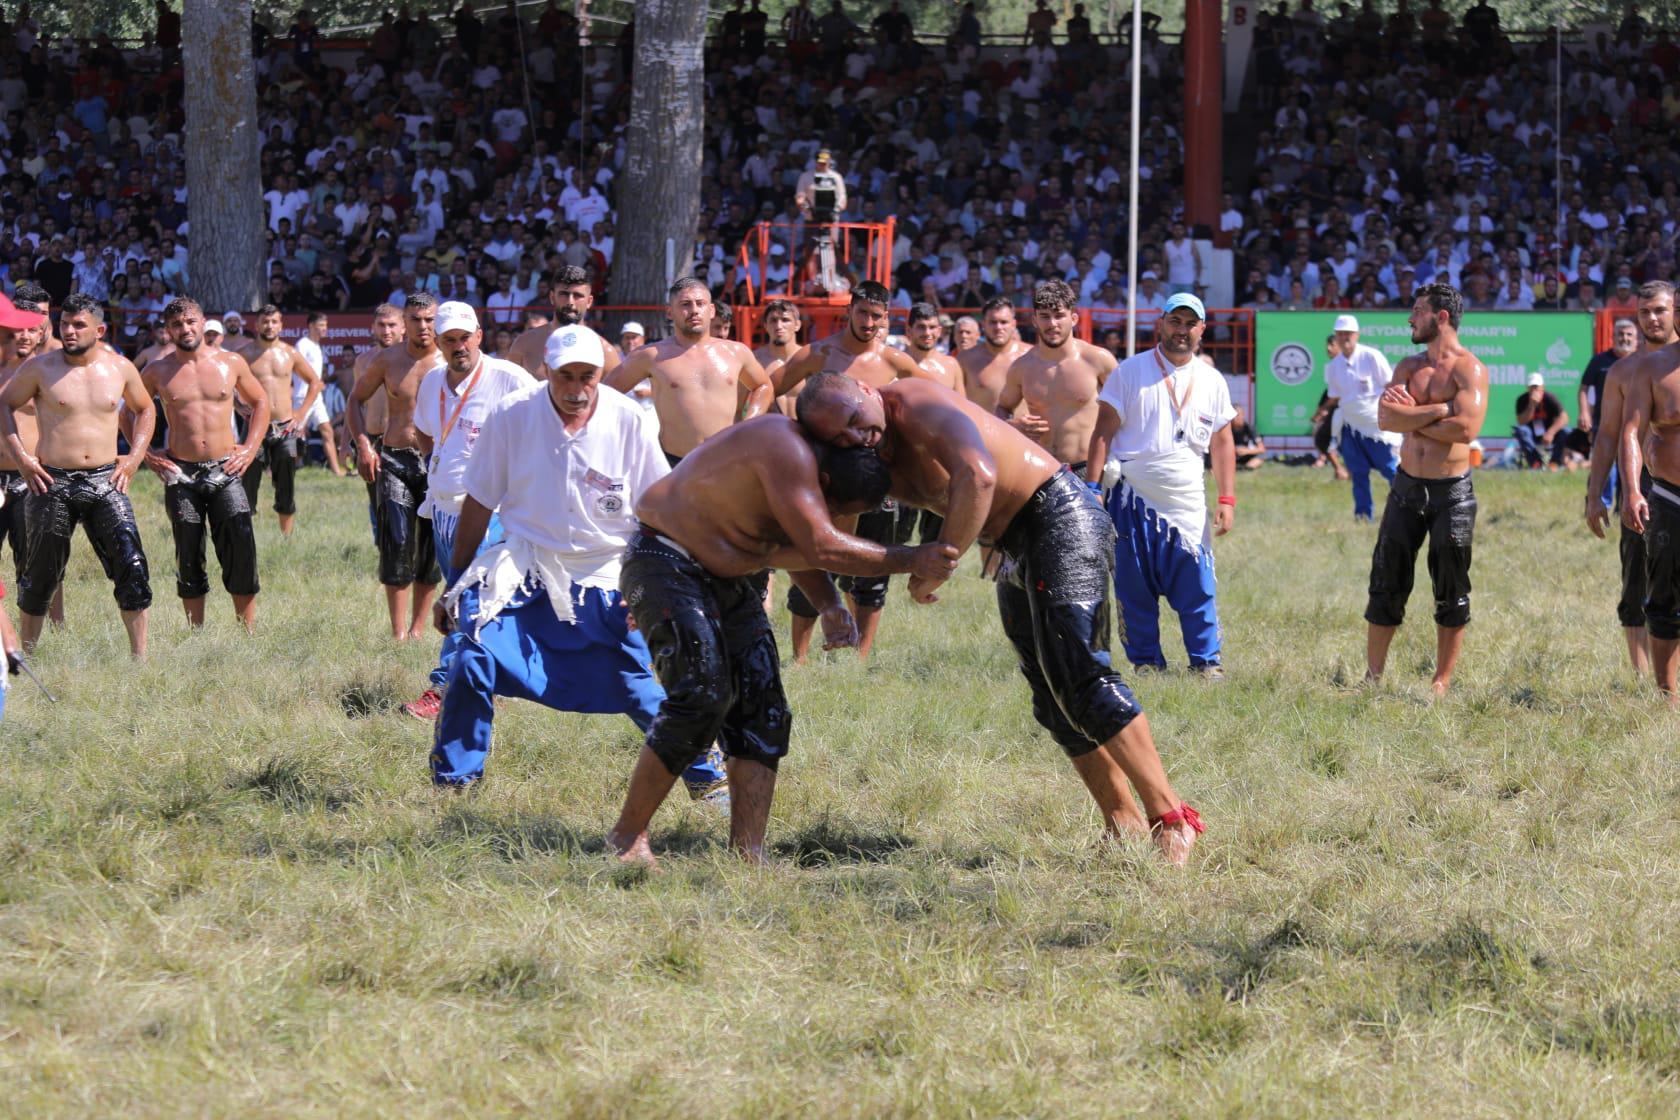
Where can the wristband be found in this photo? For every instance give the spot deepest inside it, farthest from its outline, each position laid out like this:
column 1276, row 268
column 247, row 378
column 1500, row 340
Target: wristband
column 1228, row 500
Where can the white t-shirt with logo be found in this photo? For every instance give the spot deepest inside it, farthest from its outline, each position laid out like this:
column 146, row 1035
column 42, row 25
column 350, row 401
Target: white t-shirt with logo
column 1358, row 384
column 434, row 406
column 572, row 493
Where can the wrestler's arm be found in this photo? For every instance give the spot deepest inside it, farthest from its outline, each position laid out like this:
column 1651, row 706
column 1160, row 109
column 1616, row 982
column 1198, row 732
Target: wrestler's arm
column 19, row 391
column 1605, row 445
column 1467, row 408
column 755, row 390
column 959, row 377
column 139, row 402
column 422, row 438
column 611, row 357
column 1636, row 414
column 1009, row 397
column 803, row 364
column 520, row 353
column 1397, row 412
column 631, row 372
column 302, row 368
column 1102, row 434
column 158, row 464
column 372, row 379
column 955, row 442
column 248, row 389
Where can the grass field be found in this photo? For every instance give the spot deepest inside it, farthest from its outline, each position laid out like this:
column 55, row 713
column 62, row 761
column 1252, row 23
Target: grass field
column 226, row 888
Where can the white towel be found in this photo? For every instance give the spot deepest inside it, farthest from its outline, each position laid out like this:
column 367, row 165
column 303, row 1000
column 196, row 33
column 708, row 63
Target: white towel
column 501, row 571
column 1171, row 486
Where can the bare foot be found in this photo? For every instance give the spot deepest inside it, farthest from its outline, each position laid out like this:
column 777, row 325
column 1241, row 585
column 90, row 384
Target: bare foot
column 416, row 634
column 637, row 852
column 1438, row 687
column 1174, row 843
column 753, row 854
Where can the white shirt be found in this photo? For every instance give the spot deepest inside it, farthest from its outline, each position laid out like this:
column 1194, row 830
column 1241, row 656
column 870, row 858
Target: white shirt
column 571, row 493
column 436, row 403
column 311, row 352
column 1358, row 385
column 1157, row 465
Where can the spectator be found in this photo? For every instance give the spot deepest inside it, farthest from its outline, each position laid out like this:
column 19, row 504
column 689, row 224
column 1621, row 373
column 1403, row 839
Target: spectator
column 1542, row 426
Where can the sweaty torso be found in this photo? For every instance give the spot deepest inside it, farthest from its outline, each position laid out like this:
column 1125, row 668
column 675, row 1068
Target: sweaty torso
column 527, row 351
column 77, row 411
column 197, row 394
column 374, row 408
column 941, row 369
column 773, row 357
column 921, row 479
column 403, row 372
column 1062, row 387
column 870, row 367
column 1662, row 445
column 1421, row 456
column 713, row 503
column 985, row 371
column 272, row 367
column 696, row 389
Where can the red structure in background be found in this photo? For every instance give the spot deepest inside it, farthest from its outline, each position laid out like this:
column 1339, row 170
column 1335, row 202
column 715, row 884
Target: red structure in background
column 1204, row 119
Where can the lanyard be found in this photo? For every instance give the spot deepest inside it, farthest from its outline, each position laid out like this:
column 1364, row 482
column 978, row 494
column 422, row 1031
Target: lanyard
column 1178, row 401
column 443, row 437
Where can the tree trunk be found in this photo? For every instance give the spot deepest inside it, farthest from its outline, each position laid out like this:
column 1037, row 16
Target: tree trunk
column 659, row 189
column 226, row 242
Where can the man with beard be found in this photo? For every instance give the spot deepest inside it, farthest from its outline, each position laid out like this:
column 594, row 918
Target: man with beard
column 197, row 386
column 572, row 297
column 1656, row 326
column 1059, row 378
column 1158, row 414
column 859, row 351
column 701, row 383
column 1438, row 401
column 921, row 340
column 450, row 411
column 77, row 392
column 1652, row 405
column 18, row 343
column 995, row 486
column 407, row 547
column 274, row 362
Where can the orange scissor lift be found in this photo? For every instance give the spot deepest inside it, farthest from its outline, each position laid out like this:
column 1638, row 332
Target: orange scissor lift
column 859, row 251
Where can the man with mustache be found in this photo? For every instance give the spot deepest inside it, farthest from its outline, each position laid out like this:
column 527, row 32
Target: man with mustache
column 74, row 476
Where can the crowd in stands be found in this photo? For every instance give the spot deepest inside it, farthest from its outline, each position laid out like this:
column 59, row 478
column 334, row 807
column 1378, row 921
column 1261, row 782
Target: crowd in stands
column 472, row 157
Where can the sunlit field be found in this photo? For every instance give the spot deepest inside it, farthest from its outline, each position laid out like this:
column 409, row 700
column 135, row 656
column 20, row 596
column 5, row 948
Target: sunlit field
column 227, row 888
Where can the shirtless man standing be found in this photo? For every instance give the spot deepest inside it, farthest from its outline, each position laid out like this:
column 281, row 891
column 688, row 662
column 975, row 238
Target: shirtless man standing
column 1438, row 399
column 781, row 323
column 921, row 339
column 274, row 362
column 1656, row 327
column 701, row 384
column 860, row 352
column 197, row 387
column 78, row 478
column 572, row 297
column 386, row 331
column 1652, row 389
column 986, row 366
column 756, row 495
column 995, row 485
column 19, row 342
column 407, row 550
column 1059, row 378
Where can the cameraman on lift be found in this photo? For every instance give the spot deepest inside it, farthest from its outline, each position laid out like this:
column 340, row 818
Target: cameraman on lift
column 822, row 197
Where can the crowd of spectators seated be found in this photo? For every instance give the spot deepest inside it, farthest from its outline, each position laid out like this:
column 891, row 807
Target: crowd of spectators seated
column 1389, row 152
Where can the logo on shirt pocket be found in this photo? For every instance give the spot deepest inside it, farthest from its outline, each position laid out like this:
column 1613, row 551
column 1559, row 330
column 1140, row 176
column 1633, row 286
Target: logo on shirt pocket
column 609, row 505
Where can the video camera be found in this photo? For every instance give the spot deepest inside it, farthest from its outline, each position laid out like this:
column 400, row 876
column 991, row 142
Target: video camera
column 825, row 197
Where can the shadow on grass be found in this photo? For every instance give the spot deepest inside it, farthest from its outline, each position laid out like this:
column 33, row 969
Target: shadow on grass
column 367, row 695
column 290, row 784
column 531, row 836
column 825, row 843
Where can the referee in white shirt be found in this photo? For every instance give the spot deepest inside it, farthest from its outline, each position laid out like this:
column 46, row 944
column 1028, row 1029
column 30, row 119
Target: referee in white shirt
column 449, row 413
column 539, row 613
column 1355, row 380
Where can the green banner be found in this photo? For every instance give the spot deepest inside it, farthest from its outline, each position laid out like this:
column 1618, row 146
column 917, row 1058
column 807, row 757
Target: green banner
column 1290, row 358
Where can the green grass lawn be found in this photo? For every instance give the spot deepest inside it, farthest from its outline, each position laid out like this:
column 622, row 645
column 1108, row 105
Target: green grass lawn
column 227, row 889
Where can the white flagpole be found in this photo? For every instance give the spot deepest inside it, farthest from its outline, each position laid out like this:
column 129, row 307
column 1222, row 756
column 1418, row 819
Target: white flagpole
column 1132, row 205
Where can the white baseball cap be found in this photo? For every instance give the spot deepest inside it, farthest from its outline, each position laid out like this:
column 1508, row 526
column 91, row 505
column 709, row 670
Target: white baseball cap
column 455, row 316
column 632, row 327
column 574, row 345
column 214, row 325
column 1536, row 380
column 1346, row 323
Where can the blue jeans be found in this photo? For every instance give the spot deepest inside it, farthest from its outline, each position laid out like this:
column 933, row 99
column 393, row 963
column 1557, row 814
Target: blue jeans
column 1532, row 453
column 1363, row 454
